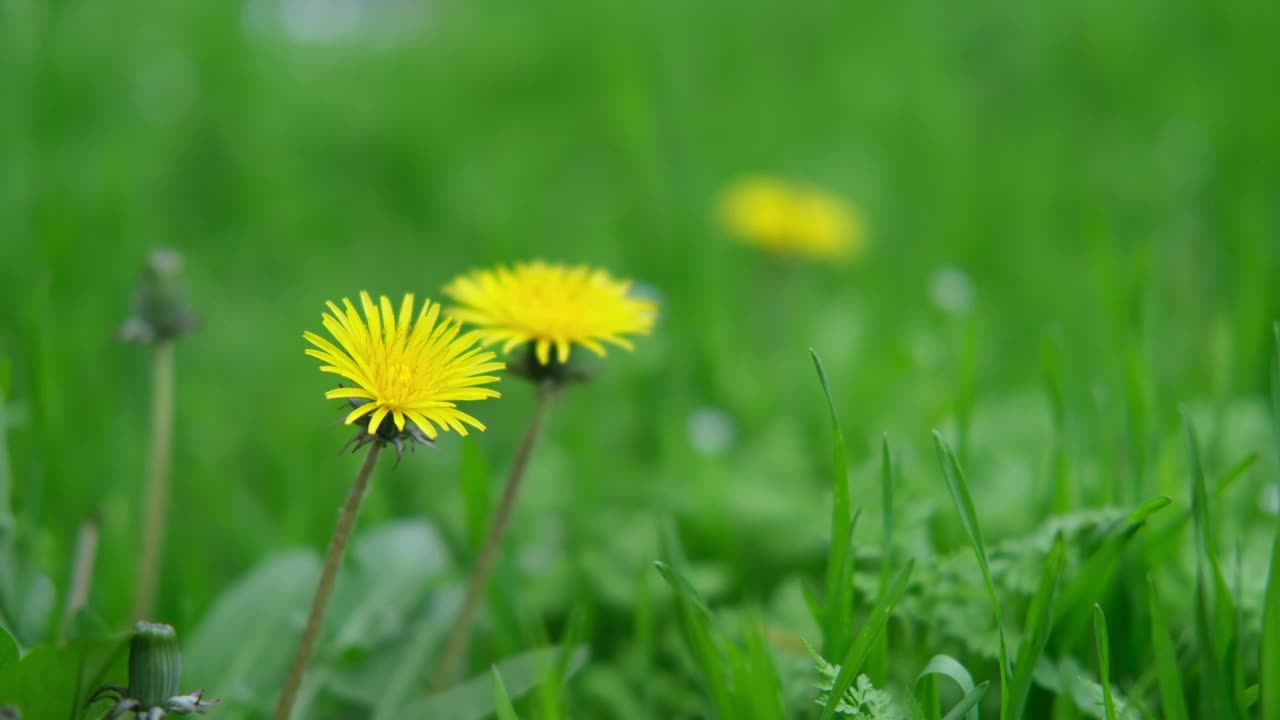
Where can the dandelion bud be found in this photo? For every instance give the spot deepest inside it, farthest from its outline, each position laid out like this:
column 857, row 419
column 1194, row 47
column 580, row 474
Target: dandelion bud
column 155, row 664
column 160, row 310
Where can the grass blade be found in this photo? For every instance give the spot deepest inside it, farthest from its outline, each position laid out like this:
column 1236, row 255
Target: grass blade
column 1172, row 694
column 1270, row 661
column 1104, row 661
column 969, row 703
column 500, row 698
column 954, row 476
column 1038, row 625
column 839, row 599
column 1215, row 617
column 1275, row 387
column 880, row 657
column 861, row 646
column 696, row 618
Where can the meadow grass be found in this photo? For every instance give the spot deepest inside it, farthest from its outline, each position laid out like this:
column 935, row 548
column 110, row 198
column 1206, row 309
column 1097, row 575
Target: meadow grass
column 1071, row 276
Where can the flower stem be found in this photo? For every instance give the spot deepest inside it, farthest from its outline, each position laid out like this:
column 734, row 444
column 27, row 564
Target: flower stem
column 84, row 560
column 157, row 498
column 332, row 560
column 483, row 569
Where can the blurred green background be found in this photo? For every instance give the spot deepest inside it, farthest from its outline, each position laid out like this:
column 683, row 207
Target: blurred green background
column 1100, row 176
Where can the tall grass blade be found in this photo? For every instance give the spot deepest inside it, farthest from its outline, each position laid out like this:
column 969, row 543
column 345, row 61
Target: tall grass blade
column 501, row 700
column 1215, row 615
column 1104, row 661
column 696, row 618
column 954, row 476
column 839, row 598
column 861, row 647
column 1275, row 388
column 1038, row 625
column 1172, row 694
column 880, row 656
column 1270, row 661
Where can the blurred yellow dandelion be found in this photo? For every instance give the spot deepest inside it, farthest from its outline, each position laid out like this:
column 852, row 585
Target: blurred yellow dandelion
column 550, row 306
column 788, row 219
column 413, row 370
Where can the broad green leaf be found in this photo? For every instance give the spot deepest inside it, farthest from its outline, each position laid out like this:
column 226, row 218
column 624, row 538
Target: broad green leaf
column 1172, row 694
column 52, row 682
column 500, row 698
column 969, row 703
column 839, row 599
column 959, row 489
column 473, row 699
column 1039, row 623
column 1270, row 661
column 947, row 666
column 242, row 649
column 384, row 580
column 1104, row 660
column 391, row 675
column 861, row 646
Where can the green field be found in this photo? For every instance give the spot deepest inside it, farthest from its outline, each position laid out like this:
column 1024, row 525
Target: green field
column 1073, row 215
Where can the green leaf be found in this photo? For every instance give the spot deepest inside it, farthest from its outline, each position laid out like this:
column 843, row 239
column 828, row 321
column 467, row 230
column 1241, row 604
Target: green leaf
column 839, row 599
column 500, row 697
column 861, row 647
column 473, row 479
column 954, row 476
column 1270, row 660
column 474, row 699
column 1172, row 694
column 384, row 581
column 969, row 703
column 1104, row 661
column 242, row 648
column 948, row 666
column 391, row 674
column 1038, row 625
column 51, row 682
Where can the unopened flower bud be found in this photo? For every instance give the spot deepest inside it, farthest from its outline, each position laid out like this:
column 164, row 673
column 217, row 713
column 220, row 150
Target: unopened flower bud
column 155, row 664
column 160, row 310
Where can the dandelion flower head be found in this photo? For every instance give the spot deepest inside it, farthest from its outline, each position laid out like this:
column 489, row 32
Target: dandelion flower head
column 551, row 306
column 413, row 369
column 789, row 219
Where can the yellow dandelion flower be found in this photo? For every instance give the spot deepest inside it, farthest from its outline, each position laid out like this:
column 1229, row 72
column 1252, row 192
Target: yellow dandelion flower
column 413, row 370
column 550, row 306
column 779, row 217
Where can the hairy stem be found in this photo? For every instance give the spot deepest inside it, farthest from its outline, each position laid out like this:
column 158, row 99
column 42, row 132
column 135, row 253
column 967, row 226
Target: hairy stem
column 156, row 502
column 483, row 570
column 332, row 560
column 85, row 559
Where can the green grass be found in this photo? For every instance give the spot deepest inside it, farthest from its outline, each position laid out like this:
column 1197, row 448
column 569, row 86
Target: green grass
column 1104, row 175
